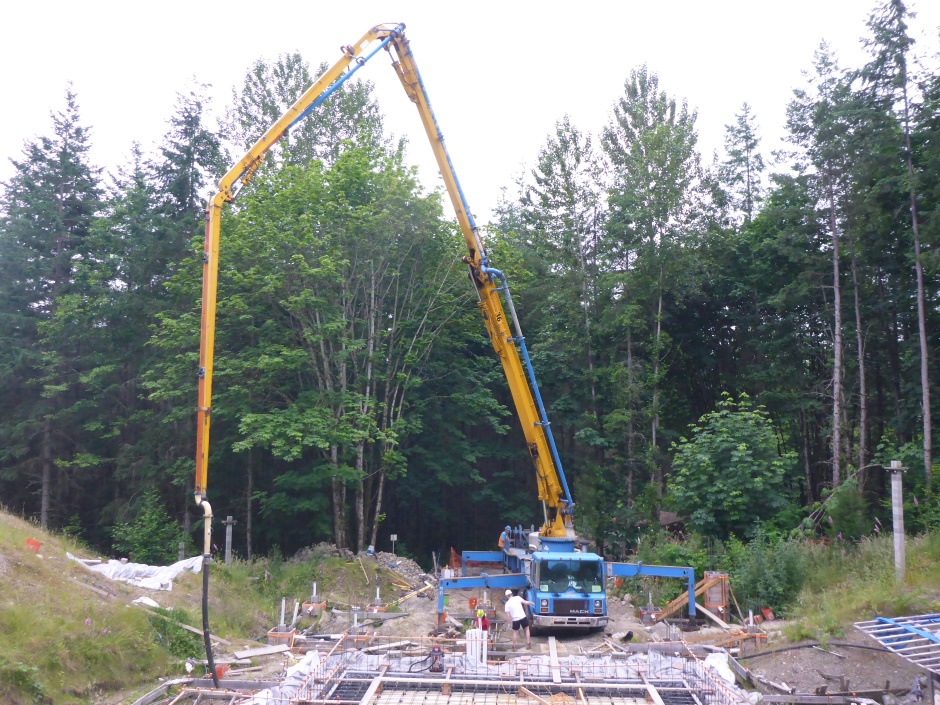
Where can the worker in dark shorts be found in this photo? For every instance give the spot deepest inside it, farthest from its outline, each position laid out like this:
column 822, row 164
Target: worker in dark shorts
column 515, row 610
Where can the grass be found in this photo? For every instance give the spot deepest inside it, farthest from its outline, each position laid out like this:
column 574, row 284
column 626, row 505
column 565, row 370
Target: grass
column 64, row 644
column 858, row 582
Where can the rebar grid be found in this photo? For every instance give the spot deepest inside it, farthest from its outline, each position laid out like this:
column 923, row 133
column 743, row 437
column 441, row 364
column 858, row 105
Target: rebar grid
column 377, row 670
column 714, row 689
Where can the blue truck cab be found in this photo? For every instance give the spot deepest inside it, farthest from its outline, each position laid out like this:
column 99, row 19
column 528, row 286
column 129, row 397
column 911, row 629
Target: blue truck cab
column 566, row 585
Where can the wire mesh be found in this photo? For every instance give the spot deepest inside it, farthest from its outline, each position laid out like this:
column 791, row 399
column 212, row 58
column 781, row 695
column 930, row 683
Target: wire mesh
column 376, row 670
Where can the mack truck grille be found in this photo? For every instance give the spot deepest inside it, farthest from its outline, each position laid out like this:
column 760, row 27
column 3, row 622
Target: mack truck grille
column 577, row 608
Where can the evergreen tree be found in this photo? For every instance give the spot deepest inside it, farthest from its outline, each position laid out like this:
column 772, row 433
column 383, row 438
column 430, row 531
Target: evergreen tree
column 47, row 209
column 887, row 77
column 655, row 171
column 820, row 126
column 742, row 169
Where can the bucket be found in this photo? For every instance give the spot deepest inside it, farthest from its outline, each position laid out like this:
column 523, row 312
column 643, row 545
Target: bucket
column 768, row 614
column 473, row 603
column 33, row 545
column 221, row 670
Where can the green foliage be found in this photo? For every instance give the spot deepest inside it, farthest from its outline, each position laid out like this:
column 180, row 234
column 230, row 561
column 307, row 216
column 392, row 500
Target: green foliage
column 74, row 528
column 352, row 365
column 152, row 537
column 846, row 516
column 18, row 681
column 730, row 475
column 767, row 571
column 169, row 633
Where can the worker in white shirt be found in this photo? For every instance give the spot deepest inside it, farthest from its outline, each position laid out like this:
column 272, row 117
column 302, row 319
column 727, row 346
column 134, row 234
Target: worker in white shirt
column 515, row 610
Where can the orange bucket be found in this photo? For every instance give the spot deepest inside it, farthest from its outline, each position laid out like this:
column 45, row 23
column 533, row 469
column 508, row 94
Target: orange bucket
column 33, row 545
column 473, row 603
column 221, row 670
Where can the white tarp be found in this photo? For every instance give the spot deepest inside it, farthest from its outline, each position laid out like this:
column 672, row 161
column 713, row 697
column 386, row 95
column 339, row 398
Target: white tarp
column 145, row 576
column 297, row 675
column 718, row 662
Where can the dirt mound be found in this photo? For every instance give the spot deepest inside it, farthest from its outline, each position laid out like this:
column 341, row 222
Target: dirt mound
column 405, row 567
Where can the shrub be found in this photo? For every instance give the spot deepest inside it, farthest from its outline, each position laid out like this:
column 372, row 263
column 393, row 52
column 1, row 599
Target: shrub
column 768, row 573
column 153, row 536
column 730, row 474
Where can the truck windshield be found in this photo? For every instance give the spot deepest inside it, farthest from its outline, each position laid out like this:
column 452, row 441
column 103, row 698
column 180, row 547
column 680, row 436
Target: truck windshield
column 559, row 576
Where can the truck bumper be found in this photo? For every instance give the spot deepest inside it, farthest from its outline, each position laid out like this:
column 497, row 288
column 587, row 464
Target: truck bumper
column 552, row 621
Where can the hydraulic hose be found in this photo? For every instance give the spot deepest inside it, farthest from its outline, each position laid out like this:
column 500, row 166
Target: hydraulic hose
column 206, row 559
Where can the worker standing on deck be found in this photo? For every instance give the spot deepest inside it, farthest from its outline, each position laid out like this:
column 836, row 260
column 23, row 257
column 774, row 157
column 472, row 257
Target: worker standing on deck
column 505, row 538
column 481, row 621
column 515, row 610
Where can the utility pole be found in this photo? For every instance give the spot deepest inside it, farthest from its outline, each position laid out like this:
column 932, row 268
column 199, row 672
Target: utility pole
column 897, row 512
column 229, row 522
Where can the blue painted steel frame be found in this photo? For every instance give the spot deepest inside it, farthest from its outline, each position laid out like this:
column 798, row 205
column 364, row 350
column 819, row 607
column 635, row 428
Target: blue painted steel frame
column 633, row 570
column 481, row 557
column 930, row 636
column 504, row 581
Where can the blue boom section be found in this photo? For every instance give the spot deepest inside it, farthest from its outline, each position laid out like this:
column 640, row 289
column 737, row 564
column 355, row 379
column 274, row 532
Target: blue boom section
column 506, row 581
column 633, row 570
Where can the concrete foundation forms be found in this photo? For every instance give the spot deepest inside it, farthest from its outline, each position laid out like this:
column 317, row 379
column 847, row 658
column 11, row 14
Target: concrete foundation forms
column 347, row 675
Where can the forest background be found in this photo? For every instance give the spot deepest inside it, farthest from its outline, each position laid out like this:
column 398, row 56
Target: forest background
column 727, row 339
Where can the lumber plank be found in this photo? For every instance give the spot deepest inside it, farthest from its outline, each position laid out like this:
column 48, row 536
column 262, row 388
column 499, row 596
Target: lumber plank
column 715, row 618
column 261, row 651
column 553, row 657
column 103, row 593
column 386, row 647
column 187, row 627
column 529, row 694
column 683, row 599
column 410, row 595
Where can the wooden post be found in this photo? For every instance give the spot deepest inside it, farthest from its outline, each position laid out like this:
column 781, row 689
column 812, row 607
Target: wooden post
column 897, row 510
column 229, row 522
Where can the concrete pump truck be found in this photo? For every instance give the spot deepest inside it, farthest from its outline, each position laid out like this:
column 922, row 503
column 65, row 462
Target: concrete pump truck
column 567, row 585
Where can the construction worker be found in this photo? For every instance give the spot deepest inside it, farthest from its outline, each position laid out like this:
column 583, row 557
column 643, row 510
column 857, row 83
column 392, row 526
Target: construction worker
column 505, row 538
column 481, row 622
column 515, row 610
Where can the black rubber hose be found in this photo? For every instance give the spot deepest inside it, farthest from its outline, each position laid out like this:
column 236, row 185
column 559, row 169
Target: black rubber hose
column 205, row 620
column 809, row 646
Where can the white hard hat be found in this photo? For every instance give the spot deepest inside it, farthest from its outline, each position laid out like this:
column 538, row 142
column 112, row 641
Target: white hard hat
column 509, row 593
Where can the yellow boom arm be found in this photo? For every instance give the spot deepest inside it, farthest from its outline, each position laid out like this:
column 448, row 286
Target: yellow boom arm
column 553, row 491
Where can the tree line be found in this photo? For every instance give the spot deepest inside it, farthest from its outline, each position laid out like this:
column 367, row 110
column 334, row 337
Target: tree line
column 726, row 340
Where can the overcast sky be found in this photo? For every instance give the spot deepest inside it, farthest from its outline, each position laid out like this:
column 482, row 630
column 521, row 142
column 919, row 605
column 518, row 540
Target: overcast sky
column 499, row 74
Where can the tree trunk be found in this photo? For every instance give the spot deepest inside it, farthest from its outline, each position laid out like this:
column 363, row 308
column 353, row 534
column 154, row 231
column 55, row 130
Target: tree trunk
column 656, row 355
column 339, row 503
column 862, row 385
column 836, row 342
column 46, row 455
column 921, row 304
column 249, row 499
column 807, row 467
column 631, row 429
column 378, row 509
column 359, row 499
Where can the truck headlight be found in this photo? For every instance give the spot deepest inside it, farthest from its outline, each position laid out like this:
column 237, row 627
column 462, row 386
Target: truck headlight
column 543, row 605
column 598, row 607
